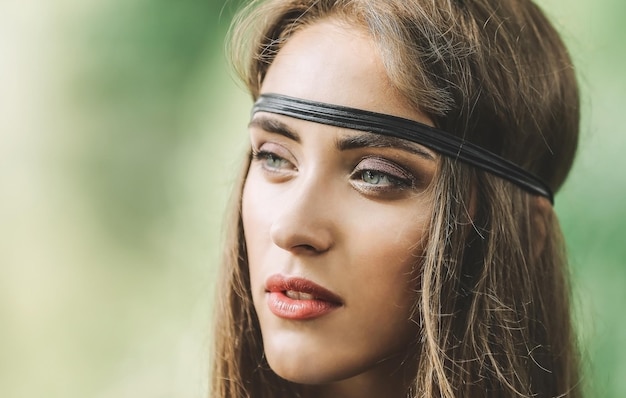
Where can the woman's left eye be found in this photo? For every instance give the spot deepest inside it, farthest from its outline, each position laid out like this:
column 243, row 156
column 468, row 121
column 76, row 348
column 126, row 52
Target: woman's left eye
column 376, row 174
column 375, row 177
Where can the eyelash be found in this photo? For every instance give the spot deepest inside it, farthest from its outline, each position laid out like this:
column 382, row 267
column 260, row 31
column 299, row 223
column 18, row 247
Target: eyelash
column 264, row 156
column 397, row 181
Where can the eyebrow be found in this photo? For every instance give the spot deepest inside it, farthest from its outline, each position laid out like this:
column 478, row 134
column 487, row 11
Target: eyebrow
column 364, row 139
column 372, row 140
column 275, row 126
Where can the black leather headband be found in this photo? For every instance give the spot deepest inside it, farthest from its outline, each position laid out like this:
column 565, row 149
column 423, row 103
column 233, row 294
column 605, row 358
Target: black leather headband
column 435, row 139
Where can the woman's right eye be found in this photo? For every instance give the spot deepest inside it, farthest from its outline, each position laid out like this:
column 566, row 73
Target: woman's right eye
column 271, row 161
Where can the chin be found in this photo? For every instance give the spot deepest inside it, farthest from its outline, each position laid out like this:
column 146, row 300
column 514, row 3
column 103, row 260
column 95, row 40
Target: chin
column 316, row 366
column 300, row 364
column 311, row 373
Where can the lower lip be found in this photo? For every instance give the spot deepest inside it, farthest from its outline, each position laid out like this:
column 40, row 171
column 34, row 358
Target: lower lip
column 288, row 308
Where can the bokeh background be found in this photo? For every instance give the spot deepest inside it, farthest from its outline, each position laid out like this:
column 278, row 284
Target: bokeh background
column 121, row 130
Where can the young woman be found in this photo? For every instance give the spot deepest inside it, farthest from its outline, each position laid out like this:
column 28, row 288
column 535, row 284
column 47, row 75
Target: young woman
column 393, row 234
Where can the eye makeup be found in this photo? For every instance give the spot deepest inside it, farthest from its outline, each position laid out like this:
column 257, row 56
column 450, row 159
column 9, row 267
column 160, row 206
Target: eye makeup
column 373, row 166
column 393, row 126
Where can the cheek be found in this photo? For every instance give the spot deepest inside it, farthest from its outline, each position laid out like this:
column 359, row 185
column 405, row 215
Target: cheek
column 390, row 272
column 255, row 226
column 249, row 217
column 391, row 245
column 256, row 208
column 259, row 208
column 386, row 257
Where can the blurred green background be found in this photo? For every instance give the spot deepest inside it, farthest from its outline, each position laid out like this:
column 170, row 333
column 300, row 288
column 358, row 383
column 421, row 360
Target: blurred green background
column 121, row 129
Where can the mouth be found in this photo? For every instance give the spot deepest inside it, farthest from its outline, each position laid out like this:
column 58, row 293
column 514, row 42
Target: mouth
column 299, row 298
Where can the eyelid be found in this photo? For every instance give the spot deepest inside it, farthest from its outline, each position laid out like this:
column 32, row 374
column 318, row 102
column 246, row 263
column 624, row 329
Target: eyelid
column 266, row 150
column 384, row 166
column 274, row 148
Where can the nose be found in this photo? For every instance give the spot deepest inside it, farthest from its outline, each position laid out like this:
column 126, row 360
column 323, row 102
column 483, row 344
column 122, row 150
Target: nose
column 305, row 222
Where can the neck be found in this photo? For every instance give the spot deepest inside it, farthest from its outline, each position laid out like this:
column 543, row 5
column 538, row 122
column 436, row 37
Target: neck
column 391, row 380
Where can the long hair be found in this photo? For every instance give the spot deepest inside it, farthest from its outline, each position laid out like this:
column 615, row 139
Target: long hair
column 492, row 299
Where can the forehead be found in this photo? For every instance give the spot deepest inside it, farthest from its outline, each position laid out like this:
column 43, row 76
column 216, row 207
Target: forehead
column 334, row 62
column 337, row 63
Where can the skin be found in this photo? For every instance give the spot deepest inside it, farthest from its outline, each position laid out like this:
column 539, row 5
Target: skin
column 353, row 220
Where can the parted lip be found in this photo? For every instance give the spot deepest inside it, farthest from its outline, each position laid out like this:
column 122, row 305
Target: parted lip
column 282, row 283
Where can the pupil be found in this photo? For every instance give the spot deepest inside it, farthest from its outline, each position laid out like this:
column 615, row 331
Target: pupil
column 274, row 161
column 371, row 177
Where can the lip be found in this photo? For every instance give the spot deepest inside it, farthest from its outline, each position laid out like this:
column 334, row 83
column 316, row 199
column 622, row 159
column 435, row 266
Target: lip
column 318, row 300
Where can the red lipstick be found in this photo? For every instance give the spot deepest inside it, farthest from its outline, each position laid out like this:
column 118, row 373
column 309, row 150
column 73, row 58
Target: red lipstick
column 299, row 298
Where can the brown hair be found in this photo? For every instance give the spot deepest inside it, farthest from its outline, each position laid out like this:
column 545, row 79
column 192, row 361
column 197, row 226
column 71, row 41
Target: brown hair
column 493, row 303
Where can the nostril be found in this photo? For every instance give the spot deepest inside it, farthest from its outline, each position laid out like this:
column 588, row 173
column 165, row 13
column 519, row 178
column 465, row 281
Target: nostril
column 306, row 248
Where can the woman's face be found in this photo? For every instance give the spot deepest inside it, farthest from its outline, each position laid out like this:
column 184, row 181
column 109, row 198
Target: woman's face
column 335, row 220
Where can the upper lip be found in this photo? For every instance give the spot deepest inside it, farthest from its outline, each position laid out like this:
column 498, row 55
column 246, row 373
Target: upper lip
column 282, row 283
